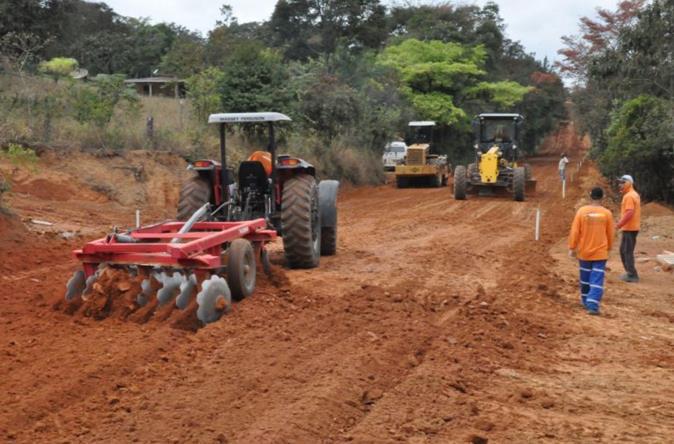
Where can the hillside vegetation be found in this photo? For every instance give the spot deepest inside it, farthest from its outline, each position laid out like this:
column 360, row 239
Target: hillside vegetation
column 623, row 67
column 351, row 74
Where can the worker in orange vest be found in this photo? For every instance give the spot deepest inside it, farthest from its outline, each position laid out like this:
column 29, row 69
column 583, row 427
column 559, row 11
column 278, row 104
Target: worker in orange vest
column 590, row 241
column 630, row 223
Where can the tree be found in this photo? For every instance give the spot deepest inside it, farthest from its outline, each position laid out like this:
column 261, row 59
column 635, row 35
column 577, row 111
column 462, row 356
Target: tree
column 596, row 36
column 185, row 58
column 96, row 103
column 255, row 79
column 307, row 28
column 58, row 67
column 203, row 90
column 439, row 77
column 641, row 141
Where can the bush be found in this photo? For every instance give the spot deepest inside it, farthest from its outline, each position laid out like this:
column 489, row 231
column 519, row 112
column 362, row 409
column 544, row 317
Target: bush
column 20, row 156
column 641, row 143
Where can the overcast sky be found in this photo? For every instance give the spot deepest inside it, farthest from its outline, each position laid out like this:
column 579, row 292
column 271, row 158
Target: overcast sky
column 538, row 24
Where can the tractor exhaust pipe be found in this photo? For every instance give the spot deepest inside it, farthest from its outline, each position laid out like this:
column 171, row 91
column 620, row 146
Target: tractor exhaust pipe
column 191, row 221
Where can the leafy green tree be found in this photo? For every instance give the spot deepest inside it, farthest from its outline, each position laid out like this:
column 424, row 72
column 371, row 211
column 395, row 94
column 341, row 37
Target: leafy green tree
column 203, row 90
column 255, row 79
column 641, row 141
column 58, row 67
column 438, row 77
column 96, row 104
column 308, row 28
column 185, row 58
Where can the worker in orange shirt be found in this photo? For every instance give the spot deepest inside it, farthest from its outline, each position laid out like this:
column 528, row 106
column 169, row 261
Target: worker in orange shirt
column 590, row 241
column 630, row 223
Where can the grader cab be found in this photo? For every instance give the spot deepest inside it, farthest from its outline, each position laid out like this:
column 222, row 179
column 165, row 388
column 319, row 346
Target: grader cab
column 497, row 158
column 421, row 167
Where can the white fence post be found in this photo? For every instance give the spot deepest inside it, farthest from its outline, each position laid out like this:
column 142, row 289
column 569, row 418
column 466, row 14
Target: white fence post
column 137, row 218
column 538, row 224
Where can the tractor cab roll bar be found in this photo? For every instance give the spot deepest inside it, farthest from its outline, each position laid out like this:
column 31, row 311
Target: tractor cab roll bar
column 223, row 119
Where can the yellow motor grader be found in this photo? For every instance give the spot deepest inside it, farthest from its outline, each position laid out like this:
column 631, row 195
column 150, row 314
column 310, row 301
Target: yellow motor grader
column 420, row 167
column 497, row 154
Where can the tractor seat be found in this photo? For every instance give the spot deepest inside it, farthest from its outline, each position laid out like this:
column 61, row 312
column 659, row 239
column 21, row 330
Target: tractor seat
column 252, row 174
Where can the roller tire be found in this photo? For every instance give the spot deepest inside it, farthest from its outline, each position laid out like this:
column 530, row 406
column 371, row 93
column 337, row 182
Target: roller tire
column 460, row 183
column 300, row 222
column 519, row 182
column 193, row 195
column 241, row 269
column 402, row 182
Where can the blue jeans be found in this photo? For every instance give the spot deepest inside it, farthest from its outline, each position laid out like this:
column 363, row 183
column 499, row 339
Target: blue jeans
column 592, row 283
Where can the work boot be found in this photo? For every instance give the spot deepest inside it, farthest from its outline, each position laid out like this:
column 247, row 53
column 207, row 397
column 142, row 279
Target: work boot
column 629, row 278
column 592, row 312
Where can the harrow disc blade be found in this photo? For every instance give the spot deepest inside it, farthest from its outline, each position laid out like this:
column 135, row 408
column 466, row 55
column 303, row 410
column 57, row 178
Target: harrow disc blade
column 170, row 286
column 75, row 285
column 213, row 300
column 145, row 292
column 186, row 290
column 86, row 294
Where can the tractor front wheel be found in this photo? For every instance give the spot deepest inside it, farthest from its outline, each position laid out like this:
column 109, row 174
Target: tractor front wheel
column 241, row 269
column 301, row 222
column 460, row 183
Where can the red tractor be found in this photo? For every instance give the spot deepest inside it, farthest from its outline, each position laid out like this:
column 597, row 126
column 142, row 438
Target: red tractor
column 279, row 188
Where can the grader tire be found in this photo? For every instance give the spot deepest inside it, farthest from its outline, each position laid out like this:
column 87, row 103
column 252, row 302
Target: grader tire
column 519, row 182
column 300, row 222
column 460, row 183
column 193, row 195
column 472, row 169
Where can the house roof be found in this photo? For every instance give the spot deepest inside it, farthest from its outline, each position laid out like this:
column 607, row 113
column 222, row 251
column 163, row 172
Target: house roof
column 501, row 116
column 155, row 80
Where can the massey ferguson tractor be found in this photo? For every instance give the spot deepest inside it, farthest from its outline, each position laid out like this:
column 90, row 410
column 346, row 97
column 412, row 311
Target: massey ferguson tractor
column 497, row 152
column 225, row 221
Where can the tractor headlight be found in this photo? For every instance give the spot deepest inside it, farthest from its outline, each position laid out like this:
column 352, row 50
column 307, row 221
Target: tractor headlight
column 514, row 146
column 475, row 146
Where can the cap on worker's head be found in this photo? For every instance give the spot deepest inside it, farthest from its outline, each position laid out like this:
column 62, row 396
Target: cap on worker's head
column 626, row 178
column 597, row 193
column 563, row 155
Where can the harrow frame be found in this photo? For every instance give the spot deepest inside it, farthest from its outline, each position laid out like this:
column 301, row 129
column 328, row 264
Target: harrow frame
column 152, row 245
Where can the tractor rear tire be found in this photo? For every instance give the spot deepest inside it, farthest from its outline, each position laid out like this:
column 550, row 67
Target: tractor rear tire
column 193, row 195
column 460, row 183
column 301, row 222
column 328, row 241
column 241, row 269
column 519, row 182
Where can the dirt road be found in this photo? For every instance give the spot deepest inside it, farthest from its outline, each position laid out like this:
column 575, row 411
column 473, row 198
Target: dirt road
column 438, row 321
